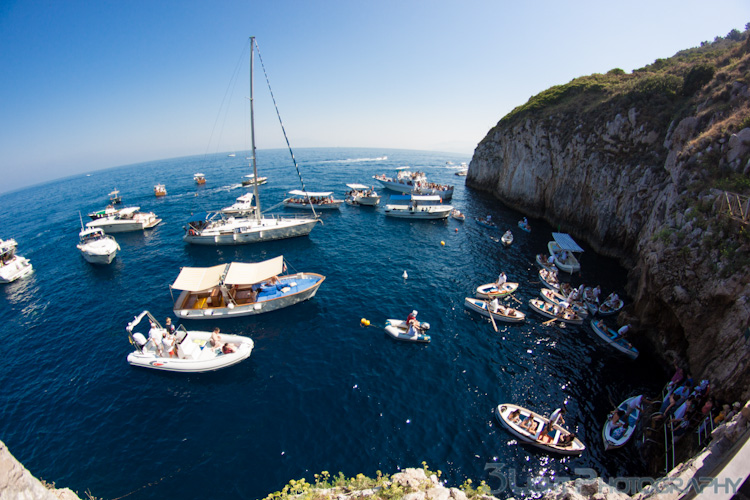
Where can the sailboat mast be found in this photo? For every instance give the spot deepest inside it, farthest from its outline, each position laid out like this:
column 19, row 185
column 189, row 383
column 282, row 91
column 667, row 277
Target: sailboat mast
column 252, row 132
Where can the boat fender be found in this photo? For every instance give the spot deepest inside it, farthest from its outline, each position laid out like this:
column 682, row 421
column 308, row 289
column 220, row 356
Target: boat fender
column 257, row 306
column 230, row 306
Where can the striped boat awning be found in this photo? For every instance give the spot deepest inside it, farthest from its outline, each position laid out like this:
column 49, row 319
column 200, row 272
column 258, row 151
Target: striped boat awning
column 566, row 242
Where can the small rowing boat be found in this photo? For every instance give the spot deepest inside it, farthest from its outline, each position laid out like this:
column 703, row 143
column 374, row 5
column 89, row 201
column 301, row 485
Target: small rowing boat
column 507, row 314
column 549, row 278
column 485, row 223
column 611, row 305
column 555, row 312
column 492, row 290
column 507, row 238
column 612, row 338
column 616, row 436
column 557, row 299
column 528, row 426
column 456, row 214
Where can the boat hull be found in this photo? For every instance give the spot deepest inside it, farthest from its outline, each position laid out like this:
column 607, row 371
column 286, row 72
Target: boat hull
column 490, row 290
column 502, row 413
column 554, row 297
column 110, row 226
column 480, row 306
column 18, row 267
column 302, row 286
column 610, row 442
column 420, row 212
column 334, row 205
column 569, row 265
column 610, row 310
column 398, row 330
column 553, row 312
column 610, row 337
column 268, row 229
column 201, row 359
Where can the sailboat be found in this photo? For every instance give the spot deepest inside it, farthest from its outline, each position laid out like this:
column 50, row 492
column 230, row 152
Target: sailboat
column 220, row 228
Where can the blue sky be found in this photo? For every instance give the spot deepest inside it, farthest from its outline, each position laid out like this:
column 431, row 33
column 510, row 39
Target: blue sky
column 89, row 84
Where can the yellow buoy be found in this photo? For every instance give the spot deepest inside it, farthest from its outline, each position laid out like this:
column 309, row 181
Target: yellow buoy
column 365, row 322
column 442, row 243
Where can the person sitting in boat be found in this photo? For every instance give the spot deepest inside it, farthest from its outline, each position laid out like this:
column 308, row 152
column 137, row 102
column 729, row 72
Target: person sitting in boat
column 413, row 324
column 529, row 424
column 567, row 440
column 551, row 259
column 544, row 434
column 515, row 416
column 564, row 255
column 215, row 340
column 615, row 418
column 622, row 332
column 620, row 430
column 508, row 234
column 228, row 348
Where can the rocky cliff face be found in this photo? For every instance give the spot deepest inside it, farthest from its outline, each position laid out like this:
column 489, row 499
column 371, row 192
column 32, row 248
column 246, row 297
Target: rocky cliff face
column 645, row 187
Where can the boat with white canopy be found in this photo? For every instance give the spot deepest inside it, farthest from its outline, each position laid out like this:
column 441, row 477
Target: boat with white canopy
column 125, row 220
column 320, row 200
column 362, row 195
column 114, row 197
column 407, row 181
column 191, row 351
column 217, row 228
column 417, row 207
column 240, row 289
column 12, row 266
column 563, row 249
column 199, row 178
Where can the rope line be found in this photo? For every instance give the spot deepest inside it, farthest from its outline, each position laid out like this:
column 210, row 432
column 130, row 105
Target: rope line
column 273, row 98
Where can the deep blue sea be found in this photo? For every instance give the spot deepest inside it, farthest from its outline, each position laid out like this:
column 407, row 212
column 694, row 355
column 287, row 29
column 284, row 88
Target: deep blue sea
column 320, row 392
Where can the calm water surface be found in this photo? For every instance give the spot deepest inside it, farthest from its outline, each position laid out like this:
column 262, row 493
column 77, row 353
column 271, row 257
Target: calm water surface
column 319, row 392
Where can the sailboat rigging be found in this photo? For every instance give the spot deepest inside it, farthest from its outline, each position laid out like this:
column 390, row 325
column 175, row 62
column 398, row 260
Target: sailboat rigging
column 220, row 228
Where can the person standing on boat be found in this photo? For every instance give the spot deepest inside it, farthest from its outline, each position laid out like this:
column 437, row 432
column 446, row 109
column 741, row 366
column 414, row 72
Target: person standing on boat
column 634, row 404
column 501, row 280
column 169, row 326
column 597, row 292
column 494, row 305
column 557, row 417
column 156, row 336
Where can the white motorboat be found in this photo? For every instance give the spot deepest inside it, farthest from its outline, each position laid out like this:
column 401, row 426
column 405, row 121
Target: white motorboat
column 507, row 314
column 110, row 210
column 12, row 266
column 555, row 312
column 614, row 340
column 507, row 238
column 125, row 220
column 250, row 180
column 398, row 329
column 556, row 298
column 199, row 178
column 160, row 190
column 362, row 195
column 96, row 247
column 240, row 289
column 407, row 181
column 491, row 290
column 614, row 438
column 216, row 228
column 527, row 427
column 243, row 205
column 417, row 207
column 322, row 200
column 563, row 249
column 193, row 350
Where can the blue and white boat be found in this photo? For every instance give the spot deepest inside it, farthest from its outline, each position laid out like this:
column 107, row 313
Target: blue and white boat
column 613, row 339
column 240, row 289
column 614, row 439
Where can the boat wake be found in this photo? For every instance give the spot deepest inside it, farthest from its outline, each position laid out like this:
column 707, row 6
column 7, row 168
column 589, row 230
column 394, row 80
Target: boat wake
column 355, row 160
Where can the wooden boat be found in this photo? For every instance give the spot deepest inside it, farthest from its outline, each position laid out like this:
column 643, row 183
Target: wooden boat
column 491, row 290
column 160, row 190
column 549, row 278
column 456, row 214
column 199, row 178
column 611, row 306
column 555, row 312
column 555, row 298
column 486, row 223
column 541, row 261
column 507, row 238
column 610, row 441
column 524, row 226
column 507, row 314
column 611, row 338
column 397, row 329
column 194, row 352
column 504, row 412
column 564, row 246
column 240, row 289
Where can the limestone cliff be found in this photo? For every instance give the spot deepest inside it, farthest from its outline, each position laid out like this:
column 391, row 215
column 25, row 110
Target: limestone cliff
column 17, row 483
column 637, row 166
